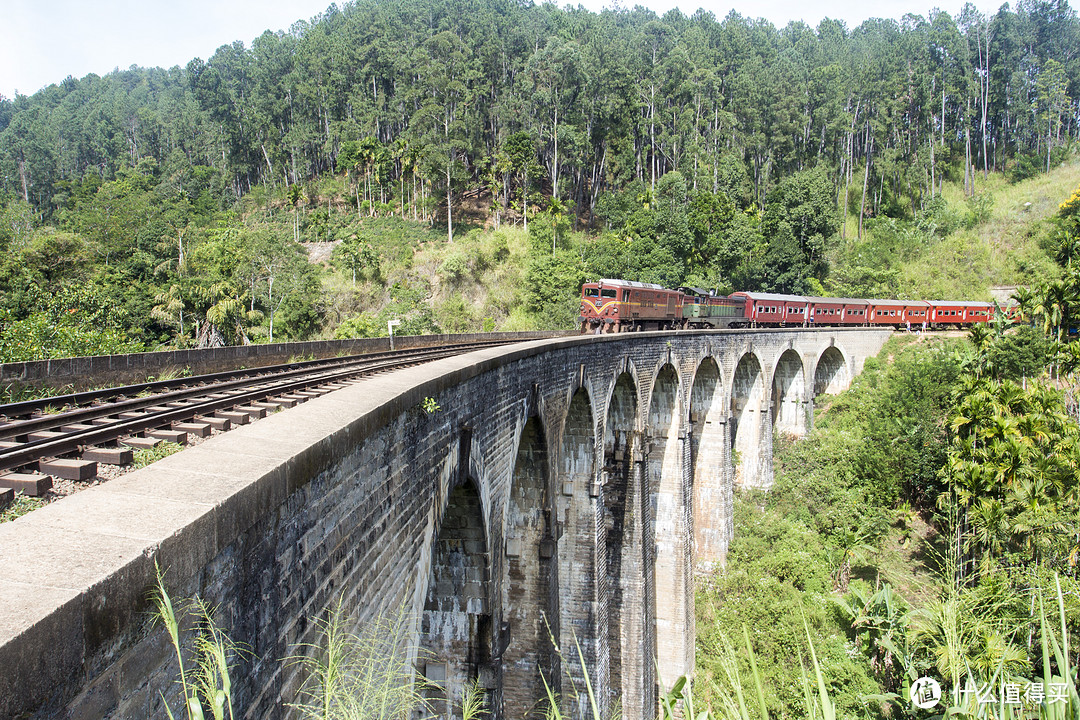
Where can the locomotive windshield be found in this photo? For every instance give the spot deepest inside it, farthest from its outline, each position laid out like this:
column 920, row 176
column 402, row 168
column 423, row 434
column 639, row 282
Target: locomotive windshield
column 591, row 292
column 607, row 293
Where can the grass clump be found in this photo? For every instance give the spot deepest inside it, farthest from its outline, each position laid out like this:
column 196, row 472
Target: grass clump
column 207, row 687
column 146, row 456
column 364, row 673
column 21, row 505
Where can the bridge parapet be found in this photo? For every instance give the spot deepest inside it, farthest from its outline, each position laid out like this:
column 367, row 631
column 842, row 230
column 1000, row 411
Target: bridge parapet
column 564, row 488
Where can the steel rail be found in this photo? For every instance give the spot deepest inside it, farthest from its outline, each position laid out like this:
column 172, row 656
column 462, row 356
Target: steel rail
column 27, row 453
column 204, row 384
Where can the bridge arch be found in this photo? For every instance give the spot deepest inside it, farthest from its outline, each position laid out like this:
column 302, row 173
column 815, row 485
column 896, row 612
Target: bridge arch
column 622, row 512
column 577, row 544
column 710, row 453
column 529, row 605
column 668, row 525
column 831, row 374
column 750, row 430
column 789, row 394
column 456, row 628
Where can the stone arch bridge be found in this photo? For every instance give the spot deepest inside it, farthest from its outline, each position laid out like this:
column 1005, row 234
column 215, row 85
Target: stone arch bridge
column 563, row 493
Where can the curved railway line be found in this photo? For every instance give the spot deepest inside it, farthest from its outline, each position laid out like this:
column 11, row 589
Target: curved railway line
column 67, row 436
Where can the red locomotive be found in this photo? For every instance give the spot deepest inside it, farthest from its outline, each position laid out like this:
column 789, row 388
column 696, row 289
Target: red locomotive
column 621, row 305
column 618, row 305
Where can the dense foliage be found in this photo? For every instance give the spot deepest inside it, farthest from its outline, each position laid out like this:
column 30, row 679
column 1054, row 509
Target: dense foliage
column 924, row 524
column 681, row 150
column 520, row 99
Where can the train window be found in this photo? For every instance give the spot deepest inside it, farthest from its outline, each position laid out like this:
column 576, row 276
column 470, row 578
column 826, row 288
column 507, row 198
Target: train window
column 607, row 293
column 591, row 292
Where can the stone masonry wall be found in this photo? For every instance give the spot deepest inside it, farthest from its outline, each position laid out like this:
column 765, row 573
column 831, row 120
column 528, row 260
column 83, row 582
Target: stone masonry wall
column 362, row 498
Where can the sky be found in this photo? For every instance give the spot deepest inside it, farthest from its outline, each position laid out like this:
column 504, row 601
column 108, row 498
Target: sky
column 44, row 41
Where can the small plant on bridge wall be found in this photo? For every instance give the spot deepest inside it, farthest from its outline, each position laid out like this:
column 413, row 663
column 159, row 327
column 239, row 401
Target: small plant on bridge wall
column 429, row 406
column 207, row 687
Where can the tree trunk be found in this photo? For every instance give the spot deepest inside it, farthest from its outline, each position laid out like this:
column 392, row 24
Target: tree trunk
column 866, row 178
column 969, row 188
column 22, row 178
column 449, row 212
column 269, row 165
column 555, row 159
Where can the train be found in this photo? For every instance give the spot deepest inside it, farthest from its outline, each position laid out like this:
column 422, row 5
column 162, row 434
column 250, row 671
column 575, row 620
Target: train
column 611, row 306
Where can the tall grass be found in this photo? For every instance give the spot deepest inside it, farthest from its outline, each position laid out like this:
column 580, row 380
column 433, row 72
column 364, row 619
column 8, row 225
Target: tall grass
column 978, row 694
column 735, row 687
column 369, row 673
column 362, row 674
column 207, row 688
column 553, row 710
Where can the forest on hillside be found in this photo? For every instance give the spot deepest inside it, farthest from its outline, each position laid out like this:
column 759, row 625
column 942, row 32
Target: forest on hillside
column 168, row 206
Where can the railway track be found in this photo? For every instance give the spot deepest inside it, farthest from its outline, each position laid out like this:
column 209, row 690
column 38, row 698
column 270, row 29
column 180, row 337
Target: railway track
column 68, row 436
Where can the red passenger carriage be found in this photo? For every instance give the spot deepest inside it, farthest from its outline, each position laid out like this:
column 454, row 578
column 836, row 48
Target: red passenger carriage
column 620, row 305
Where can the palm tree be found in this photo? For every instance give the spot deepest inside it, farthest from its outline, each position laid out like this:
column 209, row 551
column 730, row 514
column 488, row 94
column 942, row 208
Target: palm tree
column 368, row 152
column 989, row 532
column 295, row 194
column 1026, row 299
column 226, row 319
column 169, row 309
column 1058, row 301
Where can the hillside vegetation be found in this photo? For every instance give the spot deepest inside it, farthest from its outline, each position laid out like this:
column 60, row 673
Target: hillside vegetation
column 471, row 165
column 922, row 529
column 242, row 276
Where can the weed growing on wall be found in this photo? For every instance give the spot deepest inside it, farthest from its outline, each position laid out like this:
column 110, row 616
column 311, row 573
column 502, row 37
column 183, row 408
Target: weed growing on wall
column 360, row 673
column 205, row 681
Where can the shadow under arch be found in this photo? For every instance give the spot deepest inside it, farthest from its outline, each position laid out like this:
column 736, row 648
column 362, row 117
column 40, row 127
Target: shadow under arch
column 750, row 430
column 831, row 375
column 455, row 631
column 623, row 512
column 789, row 395
column 710, row 456
column 578, row 520
column 530, row 600
column 669, row 530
